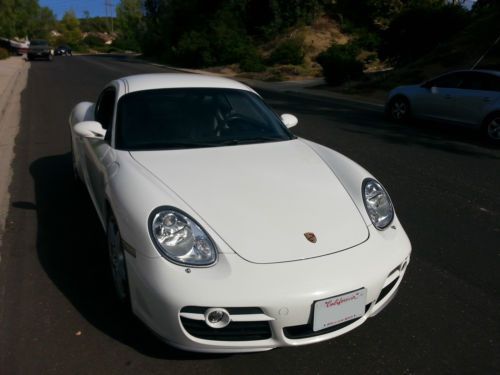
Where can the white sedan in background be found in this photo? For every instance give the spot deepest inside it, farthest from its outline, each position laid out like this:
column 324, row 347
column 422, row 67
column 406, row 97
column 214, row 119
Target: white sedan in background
column 226, row 233
column 470, row 98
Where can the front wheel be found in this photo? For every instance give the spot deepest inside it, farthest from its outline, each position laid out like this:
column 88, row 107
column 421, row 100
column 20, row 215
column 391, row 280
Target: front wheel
column 491, row 128
column 117, row 261
column 398, row 109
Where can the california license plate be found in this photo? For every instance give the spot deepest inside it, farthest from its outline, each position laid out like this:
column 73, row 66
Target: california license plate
column 336, row 310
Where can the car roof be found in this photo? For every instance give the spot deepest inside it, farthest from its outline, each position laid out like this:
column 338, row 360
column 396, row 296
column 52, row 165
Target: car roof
column 487, row 71
column 154, row 81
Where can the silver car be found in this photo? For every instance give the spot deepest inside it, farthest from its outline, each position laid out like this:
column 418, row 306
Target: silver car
column 470, row 98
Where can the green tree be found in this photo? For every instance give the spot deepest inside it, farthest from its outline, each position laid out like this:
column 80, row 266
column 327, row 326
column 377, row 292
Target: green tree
column 7, row 28
column 44, row 23
column 130, row 23
column 69, row 26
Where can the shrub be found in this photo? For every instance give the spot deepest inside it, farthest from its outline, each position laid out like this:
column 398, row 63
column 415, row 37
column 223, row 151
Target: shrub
column 368, row 40
column 340, row 64
column 193, row 51
column 290, row 51
column 93, row 41
column 3, row 53
column 252, row 62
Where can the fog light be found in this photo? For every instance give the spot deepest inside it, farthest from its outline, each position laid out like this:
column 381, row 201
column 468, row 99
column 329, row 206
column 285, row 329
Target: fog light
column 217, row 317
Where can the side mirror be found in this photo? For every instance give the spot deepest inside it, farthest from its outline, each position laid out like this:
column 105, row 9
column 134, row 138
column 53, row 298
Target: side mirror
column 289, row 120
column 90, row 129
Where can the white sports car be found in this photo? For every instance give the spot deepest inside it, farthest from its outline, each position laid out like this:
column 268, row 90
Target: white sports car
column 227, row 233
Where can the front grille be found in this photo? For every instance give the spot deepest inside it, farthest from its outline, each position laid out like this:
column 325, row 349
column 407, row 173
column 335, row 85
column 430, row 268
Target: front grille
column 235, row 331
column 306, row 330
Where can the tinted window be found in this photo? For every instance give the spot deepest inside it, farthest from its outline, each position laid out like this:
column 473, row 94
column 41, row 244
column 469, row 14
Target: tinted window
column 38, row 42
column 447, row 81
column 474, row 81
column 194, row 117
column 105, row 107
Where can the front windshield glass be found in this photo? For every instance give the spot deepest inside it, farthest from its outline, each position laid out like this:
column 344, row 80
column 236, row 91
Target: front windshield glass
column 38, row 43
column 194, row 117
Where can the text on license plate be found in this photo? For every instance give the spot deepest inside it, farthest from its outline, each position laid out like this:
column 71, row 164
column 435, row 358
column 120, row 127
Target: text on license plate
column 339, row 309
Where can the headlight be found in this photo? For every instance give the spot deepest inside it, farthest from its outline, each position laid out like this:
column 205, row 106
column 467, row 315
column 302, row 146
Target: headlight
column 180, row 239
column 378, row 204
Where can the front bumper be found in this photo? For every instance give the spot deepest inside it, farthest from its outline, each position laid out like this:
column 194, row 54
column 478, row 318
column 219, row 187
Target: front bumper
column 274, row 301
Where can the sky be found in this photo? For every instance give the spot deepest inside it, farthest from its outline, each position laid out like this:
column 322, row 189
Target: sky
column 96, row 8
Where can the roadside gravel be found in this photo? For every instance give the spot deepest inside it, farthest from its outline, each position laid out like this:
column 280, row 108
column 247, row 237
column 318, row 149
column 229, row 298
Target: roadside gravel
column 13, row 79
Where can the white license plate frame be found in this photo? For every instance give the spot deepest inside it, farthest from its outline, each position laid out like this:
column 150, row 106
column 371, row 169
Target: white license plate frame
column 339, row 309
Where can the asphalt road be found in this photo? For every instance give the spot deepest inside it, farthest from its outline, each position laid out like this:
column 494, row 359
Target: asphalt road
column 57, row 311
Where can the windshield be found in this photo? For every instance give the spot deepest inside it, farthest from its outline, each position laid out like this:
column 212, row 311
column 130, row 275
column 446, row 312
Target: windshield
column 194, row 117
column 38, row 43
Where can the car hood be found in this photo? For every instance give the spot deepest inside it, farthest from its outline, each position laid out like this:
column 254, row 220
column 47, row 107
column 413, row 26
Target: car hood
column 262, row 199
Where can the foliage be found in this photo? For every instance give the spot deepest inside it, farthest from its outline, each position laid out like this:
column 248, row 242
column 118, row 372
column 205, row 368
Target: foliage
column 130, row 23
column 93, row 40
column 267, row 18
column 201, row 33
column 95, row 24
column 340, row 64
column 406, row 39
column 3, row 53
column 69, row 27
column 25, row 18
column 290, row 51
column 252, row 62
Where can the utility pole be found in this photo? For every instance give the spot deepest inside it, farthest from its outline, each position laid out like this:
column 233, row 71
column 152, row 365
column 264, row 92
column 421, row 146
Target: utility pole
column 109, row 5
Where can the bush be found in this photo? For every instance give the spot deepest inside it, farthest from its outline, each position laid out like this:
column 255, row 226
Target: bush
column 252, row 62
column 3, row 53
column 193, row 51
column 290, row 51
column 368, row 40
column 93, row 41
column 340, row 64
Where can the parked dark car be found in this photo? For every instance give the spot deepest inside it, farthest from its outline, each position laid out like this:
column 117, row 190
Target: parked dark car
column 39, row 49
column 63, row 50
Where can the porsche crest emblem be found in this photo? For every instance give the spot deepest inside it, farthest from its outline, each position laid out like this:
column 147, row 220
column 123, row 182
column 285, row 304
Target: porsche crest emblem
column 311, row 237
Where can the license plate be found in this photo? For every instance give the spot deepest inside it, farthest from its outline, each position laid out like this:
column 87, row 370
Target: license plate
column 339, row 309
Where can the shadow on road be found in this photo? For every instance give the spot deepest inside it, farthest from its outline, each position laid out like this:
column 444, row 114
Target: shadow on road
column 360, row 120
column 72, row 250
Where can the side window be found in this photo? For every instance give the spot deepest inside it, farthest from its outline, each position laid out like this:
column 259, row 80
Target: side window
column 450, row 81
column 492, row 82
column 105, row 107
column 474, row 81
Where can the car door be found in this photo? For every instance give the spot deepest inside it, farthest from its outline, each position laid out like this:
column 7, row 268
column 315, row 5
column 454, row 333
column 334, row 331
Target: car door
column 436, row 100
column 97, row 150
column 474, row 96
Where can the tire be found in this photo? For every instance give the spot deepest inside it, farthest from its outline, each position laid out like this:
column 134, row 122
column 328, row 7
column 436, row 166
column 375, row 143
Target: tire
column 117, row 262
column 491, row 128
column 398, row 109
